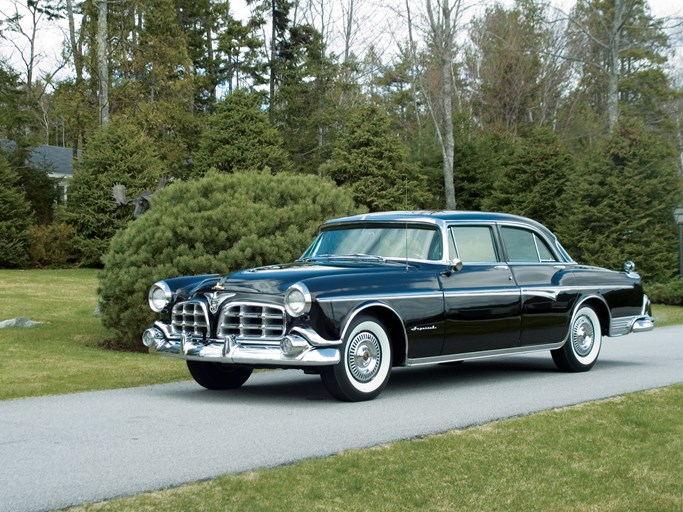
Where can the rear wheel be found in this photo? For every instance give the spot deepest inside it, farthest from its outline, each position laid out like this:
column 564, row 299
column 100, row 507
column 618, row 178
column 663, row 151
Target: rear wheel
column 581, row 350
column 218, row 375
column 365, row 364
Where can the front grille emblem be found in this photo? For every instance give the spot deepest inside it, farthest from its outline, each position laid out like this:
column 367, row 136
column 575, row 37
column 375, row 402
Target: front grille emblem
column 216, row 299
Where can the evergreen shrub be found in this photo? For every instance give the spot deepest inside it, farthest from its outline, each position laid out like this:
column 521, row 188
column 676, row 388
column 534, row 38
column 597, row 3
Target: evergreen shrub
column 217, row 224
column 670, row 293
column 51, row 246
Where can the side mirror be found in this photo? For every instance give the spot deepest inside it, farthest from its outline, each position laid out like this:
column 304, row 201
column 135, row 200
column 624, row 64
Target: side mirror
column 456, row 265
column 629, row 266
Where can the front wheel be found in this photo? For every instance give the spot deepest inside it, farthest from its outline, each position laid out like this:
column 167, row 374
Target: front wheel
column 218, row 376
column 581, row 350
column 365, row 364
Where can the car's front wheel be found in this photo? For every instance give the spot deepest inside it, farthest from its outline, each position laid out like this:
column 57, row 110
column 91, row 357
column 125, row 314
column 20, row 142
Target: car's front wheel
column 581, row 350
column 218, row 375
column 365, row 364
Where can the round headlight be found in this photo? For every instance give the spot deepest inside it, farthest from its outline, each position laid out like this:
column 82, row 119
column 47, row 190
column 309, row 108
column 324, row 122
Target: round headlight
column 297, row 300
column 160, row 296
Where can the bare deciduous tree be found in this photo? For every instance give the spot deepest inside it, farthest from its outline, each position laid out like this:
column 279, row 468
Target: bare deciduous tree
column 443, row 17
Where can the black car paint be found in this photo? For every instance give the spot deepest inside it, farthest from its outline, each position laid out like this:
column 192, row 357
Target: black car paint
column 440, row 311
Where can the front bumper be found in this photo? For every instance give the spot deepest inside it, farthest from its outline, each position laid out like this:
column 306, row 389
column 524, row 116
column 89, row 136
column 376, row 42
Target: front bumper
column 302, row 348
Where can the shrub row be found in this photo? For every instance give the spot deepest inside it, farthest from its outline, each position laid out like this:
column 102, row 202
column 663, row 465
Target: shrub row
column 670, row 293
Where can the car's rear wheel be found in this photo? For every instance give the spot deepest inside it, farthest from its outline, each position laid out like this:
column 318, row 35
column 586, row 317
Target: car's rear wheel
column 581, row 350
column 365, row 364
column 218, row 375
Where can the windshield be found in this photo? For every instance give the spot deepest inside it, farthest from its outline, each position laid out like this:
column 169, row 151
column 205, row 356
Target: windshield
column 395, row 241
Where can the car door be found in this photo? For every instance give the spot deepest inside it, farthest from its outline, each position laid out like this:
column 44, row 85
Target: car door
column 546, row 283
column 482, row 302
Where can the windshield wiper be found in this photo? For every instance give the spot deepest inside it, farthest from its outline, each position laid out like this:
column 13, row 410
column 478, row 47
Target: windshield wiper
column 362, row 256
column 355, row 256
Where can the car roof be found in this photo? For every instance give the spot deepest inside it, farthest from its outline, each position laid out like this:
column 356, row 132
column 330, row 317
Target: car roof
column 439, row 217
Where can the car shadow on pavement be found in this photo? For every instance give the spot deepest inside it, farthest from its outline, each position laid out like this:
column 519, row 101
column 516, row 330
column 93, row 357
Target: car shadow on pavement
column 292, row 386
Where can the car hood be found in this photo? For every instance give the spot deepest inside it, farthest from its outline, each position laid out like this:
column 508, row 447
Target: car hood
column 276, row 279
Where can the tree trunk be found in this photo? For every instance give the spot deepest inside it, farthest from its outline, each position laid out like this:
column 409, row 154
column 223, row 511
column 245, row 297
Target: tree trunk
column 447, row 90
column 613, row 70
column 442, row 19
column 102, row 63
column 273, row 55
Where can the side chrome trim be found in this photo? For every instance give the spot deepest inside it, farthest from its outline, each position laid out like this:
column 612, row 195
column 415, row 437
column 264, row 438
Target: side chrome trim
column 395, row 296
column 631, row 324
column 513, row 290
column 314, row 338
column 484, row 354
column 359, row 310
column 545, row 293
column 621, row 326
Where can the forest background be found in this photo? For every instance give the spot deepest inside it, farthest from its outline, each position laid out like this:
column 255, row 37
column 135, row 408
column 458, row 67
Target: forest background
column 572, row 116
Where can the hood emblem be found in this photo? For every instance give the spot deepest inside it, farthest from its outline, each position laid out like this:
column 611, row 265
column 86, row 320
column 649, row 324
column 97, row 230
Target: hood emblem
column 216, row 299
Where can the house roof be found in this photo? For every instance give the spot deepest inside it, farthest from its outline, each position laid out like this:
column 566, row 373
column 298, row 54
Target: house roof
column 57, row 161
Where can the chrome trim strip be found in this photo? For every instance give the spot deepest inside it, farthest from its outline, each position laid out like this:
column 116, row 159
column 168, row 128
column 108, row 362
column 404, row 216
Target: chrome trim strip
column 621, row 326
column 314, row 338
column 484, row 354
column 397, row 296
column 546, row 294
column 513, row 290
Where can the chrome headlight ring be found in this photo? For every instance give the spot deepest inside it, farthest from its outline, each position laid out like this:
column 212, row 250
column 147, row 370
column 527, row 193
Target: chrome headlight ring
column 298, row 300
column 160, row 296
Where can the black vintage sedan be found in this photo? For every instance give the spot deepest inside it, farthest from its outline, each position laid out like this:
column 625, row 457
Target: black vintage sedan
column 398, row 289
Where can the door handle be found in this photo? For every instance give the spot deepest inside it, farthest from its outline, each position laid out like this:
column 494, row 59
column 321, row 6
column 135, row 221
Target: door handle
column 501, row 267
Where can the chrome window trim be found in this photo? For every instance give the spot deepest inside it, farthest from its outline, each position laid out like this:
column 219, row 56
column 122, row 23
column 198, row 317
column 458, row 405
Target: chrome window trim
column 552, row 246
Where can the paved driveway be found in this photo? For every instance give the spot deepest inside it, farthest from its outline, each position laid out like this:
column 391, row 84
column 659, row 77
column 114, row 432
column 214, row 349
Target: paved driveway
column 66, row 450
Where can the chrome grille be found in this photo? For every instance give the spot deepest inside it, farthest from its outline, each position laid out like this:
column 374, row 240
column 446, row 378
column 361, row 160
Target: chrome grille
column 190, row 318
column 252, row 321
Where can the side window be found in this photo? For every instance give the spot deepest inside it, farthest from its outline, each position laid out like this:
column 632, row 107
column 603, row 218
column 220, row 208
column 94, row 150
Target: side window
column 472, row 244
column 524, row 246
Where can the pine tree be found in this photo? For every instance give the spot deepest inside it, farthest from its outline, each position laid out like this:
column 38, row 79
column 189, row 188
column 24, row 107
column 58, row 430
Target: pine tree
column 239, row 137
column 532, row 180
column 618, row 205
column 15, row 218
column 370, row 159
column 118, row 153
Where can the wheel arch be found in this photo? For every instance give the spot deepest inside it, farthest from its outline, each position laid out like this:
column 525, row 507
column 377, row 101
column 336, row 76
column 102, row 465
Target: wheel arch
column 599, row 305
column 391, row 320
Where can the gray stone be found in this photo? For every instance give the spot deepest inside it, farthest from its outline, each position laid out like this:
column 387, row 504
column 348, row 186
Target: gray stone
column 20, row 321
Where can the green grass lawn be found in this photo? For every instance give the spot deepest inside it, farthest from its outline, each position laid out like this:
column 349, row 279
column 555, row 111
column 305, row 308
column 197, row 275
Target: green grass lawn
column 63, row 354
column 667, row 315
column 622, row 454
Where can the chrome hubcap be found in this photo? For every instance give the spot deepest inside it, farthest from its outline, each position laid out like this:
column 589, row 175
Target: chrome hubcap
column 583, row 336
column 364, row 356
